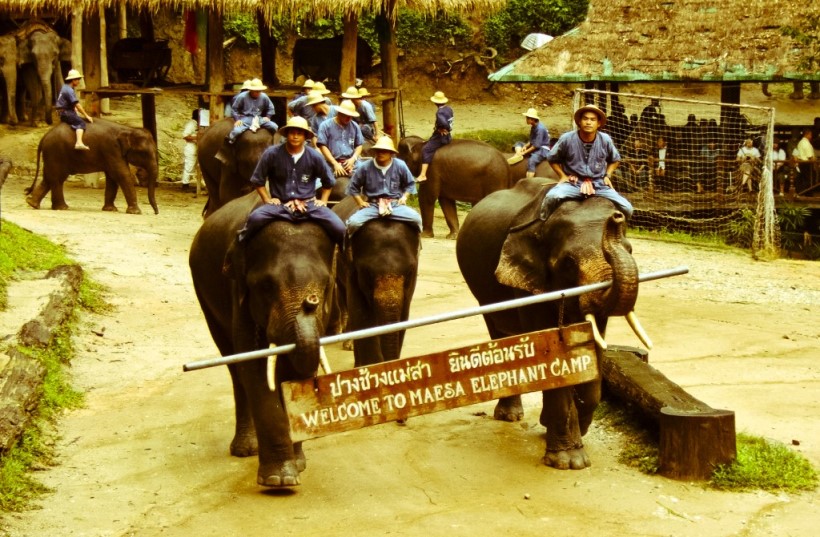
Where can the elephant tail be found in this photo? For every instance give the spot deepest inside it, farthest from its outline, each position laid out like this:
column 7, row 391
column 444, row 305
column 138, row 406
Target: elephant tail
column 30, row 189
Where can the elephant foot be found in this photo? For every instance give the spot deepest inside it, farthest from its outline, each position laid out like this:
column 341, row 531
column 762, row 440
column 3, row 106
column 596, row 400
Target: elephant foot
column 34, row 203
column 133, row 210
column 814, row 95
column 110, row 208
column 795, row 96
column 571, row 459
column 278, row 474
column 301, row 460
column 59, row 207
column 427, row 234
column 509, row 409
column 453, row 235
column 244, row 445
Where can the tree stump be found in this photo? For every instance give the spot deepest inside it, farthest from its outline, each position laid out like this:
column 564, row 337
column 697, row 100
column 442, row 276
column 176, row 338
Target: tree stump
column 694, row 437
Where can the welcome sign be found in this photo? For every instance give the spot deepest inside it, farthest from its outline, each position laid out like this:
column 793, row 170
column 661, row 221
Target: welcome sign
column 390, row 391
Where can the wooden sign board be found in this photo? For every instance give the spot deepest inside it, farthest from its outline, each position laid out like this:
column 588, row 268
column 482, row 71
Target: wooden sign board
column 389, row 391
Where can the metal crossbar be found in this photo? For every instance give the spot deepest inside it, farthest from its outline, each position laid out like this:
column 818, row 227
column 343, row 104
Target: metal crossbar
column 433, row 319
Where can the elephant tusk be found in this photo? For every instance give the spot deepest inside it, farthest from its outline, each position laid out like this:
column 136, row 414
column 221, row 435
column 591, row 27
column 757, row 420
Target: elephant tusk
column 271, row 370
column 635, row 324
column 323, row 361
column 595, row 333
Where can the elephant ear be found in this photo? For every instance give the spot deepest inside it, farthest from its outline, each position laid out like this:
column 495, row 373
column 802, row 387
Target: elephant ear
column 521, row 264
column 233, row 267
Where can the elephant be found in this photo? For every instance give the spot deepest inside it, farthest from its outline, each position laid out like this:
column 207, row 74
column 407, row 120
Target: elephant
column 375, row 282
column 8, row 68
column 506, row 251
column 229, row 179
column 276, row 287
column 797, row 93
column 113, row 148
column 463, row 170
column 519, row 170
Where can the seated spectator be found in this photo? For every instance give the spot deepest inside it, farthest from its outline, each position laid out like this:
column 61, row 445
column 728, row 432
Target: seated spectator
column 707, row 173
column 659, row 159
column 635, row 166
column 778, row 156
column 804, row 154
column 748, row 158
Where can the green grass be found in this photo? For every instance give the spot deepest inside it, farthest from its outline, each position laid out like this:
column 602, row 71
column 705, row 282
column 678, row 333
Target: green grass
column 21, row 252
column 760, row 465
column 503, row 140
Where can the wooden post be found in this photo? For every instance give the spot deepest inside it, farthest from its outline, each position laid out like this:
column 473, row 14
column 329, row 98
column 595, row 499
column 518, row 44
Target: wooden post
column 91, row 59
column 694, row 437
column 122, row 20
column 267, row 45
column 215, row 62
column 386, row 25
column 149, row 113
column 347, row 71
column 77, row 40
column 104, row 103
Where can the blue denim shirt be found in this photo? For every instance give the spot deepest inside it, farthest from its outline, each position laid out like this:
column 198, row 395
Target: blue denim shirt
column 245, row 106
column 539, row 135
column 288, row 180
column 569, row 152
column 67, row 99
column 366, row 112
column 370, row 180
column 340, row 141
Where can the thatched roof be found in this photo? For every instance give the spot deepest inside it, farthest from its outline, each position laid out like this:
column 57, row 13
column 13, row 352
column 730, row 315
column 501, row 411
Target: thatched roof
column 274, row 8
column 674, row 40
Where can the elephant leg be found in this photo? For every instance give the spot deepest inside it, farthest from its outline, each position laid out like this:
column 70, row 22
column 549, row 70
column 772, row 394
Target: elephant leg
column 448, row 207
column 366, row 351
column 53, row 179
column 110, row 194
column 814, row 90
column 565, row 449
column 798, row 90
column 427, row 204
column 587, row 397
column 244, row 442
column 121, row 174
column 301, row 460
column 38, row 193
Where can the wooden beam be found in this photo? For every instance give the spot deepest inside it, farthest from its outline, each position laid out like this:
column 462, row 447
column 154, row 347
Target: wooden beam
column 694, row 437
column 122, row 19
column 215, row 63
column 91, row 58
column 267, row 45
column 104, row 103
column 347, row 71
column 390, row 69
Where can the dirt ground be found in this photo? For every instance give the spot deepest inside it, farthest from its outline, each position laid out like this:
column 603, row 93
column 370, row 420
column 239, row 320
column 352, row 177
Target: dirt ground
column 148, row 455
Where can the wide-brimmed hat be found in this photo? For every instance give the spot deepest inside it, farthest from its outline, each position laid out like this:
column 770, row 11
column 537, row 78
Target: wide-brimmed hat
column 439, row 98
column 590, row 108
column 73, row 74
column 256, row 85
column 351, row 93
column 320, row 87
column 309, row 84
column 385, row 143
column 314, row 97
column 347, row 108
column 297, row 122
column 245, row 85
column 363, row 92
column 532, row 113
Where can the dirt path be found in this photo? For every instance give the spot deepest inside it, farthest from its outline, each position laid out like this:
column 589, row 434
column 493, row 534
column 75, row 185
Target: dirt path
column 148, row 455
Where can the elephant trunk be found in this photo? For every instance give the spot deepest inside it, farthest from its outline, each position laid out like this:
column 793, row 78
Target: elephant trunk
column 621, row 268
column 305, row 358
column 388, row 298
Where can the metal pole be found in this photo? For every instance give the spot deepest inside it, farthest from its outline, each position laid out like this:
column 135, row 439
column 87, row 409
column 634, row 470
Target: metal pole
column 413, row 323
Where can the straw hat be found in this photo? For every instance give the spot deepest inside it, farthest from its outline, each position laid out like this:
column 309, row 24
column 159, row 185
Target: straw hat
column 245, row 85
column 308, row 84
column 590, row 108
column 73, row 74
column 297, row 122
column 256, row 85
column 351, row 93
column 314, row 97
column 385, row 143
column 347, row 108
column 320, row 87
column 532, row 113
column 363, row 92
column 439, row 98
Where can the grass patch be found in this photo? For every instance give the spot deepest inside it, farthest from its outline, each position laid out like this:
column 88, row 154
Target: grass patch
column 763, row 464
column 21, row 252
column 760, row 465
column 503, row 140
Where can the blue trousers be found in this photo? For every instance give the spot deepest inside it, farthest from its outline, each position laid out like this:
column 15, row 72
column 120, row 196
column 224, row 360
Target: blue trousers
column 73, row 119
column 402, row 213
column 567, row 191
column 263, row 215
column 246, row 124
column 537, row 157
column 433, row 144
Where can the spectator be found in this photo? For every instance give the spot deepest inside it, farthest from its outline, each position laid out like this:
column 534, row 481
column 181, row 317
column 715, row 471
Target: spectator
column 804, row 154
column 707, row 178
column 778, row 156
column 252, row 110
column 636, row 166
column 189, row 134
column 538, row 146
column 748, row 158
column 340, row 139
column 659, row 158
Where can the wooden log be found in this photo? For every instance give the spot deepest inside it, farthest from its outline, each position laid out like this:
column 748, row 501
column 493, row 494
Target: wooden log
column 21, row 380
column 39, row 332
column 694, row 437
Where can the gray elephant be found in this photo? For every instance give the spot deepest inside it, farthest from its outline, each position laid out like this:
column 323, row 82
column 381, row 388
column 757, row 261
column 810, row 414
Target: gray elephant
column 518, row 170
column 229, row 179
column 463, row 170
column 8, row 68
column 274, row 288
column 505, row 251
column 39, row 45
column 376, row 279
column 113, row 148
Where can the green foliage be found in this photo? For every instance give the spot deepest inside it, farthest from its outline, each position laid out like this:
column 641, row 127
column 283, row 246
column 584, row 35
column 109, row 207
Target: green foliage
column 21, row 250
column 765, row 465
column 505, row 30
column 242, row 26
column 503, row 140
column 792, row 221
column 741, row 229
column 808, row 35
